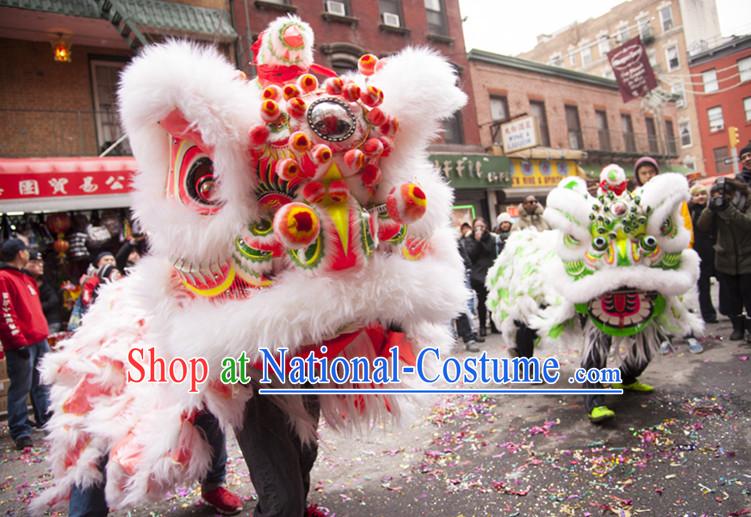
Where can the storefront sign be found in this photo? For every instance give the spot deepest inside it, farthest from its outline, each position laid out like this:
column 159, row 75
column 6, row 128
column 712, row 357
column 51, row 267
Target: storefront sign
column 473, row 170
column 541, row 173
column 33, row 178
column 520, row 133
column 632, row 69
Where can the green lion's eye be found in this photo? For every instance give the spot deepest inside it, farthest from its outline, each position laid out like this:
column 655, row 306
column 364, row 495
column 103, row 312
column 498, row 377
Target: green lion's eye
column 570, row 241
column 600, row 243
column 648, row 243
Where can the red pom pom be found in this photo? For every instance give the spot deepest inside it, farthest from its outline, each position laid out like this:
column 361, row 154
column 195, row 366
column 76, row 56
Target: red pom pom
column 334, row 85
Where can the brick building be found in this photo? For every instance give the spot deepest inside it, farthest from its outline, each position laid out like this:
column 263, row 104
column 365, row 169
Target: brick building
column 346, row 29
column 582, row 122
column 722, row 81
column 51, row 108
column 671, row 30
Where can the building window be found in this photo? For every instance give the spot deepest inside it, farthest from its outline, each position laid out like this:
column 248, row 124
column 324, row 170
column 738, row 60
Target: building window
column 747, row 108
column 709, row 78
column 627, row 127
column 572, row 57
column 651, row 135
column 684, row 128
column 337, row 7
column 721, row 160
column 670, row 137
column 105, row 76
column 652, row 55
column 744, row 69
column 603, row 44
column 498, row 113
column 671, row 56
column 556, row 59
column 436, row 17
column 666, row 18
column 452, row 129
column 603, row 134
column 586, row 53
column 622, row 34
column 538, row 111
column 343, row 63
column 645, row 30
column 678, row 90
column 391, row 13
column 716, row 122
column 574, row 128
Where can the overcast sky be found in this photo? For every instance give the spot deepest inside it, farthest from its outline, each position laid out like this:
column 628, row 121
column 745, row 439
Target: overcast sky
column 511, row 26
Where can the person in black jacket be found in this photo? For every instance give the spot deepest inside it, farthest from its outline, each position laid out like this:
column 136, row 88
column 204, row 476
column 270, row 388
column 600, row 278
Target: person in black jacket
column 48, row 295
column 481, row 248
column 463, row 322
column 703, row 245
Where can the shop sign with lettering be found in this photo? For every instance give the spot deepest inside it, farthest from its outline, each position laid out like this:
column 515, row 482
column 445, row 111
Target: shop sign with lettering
column 520, row 133
column 473, row 170
column 541, row 173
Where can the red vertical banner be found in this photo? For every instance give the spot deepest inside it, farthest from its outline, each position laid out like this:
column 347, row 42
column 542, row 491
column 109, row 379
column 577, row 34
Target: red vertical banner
column 632, row 69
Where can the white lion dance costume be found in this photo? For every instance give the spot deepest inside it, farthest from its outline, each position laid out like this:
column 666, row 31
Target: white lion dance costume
column 613, row 271
column 285, row 211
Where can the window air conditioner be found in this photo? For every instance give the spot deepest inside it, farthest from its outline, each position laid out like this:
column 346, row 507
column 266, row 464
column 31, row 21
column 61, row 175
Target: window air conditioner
column 391, row 20
column 337, row 8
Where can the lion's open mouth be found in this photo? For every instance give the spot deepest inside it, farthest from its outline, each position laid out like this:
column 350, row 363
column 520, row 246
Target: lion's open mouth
column 624, row 309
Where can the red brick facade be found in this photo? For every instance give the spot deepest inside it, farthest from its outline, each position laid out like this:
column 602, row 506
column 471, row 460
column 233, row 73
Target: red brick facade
column 361, row 31
column 48, row 107
column 520, row 86
column 733, row 97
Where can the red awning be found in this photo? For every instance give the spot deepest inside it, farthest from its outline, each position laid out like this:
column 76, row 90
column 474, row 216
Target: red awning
column 54, row 184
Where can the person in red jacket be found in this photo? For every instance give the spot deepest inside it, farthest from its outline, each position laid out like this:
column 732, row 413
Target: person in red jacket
column 23, row 332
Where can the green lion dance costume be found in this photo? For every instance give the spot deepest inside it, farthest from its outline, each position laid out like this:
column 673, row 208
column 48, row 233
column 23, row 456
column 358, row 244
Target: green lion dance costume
column 613, row 271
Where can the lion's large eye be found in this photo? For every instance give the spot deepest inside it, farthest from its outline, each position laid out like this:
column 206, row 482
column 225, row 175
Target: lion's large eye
column 331, row 119
column 600, row 243
column 200, row 183
column 191, row 179
column 648, row 243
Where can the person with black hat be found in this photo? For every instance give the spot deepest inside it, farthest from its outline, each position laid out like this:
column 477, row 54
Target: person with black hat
column 23, row 332
column 729, row 211
column 48, row 295
column 744, row 157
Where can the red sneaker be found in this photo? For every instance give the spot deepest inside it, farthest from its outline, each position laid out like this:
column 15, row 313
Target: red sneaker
column 224, row 501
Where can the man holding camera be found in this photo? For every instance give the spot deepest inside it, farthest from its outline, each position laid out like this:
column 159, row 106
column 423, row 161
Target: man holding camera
column 729, row 209
column 745, row 159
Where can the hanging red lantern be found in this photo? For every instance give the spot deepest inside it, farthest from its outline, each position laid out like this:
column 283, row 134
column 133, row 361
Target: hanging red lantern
column 60, row 246
column 59, row 222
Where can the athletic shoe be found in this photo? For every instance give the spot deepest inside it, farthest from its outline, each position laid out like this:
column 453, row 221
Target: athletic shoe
column 223, row 501
column 665, row 347
column 637, row 386
column 600, row 414
column 694, row 346
column 471, row 346
column 24, row 443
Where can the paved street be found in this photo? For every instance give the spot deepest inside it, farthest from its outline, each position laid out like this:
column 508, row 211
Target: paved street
column 683, row 450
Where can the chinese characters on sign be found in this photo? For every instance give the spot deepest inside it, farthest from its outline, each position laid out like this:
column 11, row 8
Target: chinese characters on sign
column 473, row 171
column 38, row 185
column 632, row 69
column 519, row 134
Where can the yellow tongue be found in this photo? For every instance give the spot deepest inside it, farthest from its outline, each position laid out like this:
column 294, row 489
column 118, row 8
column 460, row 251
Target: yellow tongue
column 338, row 212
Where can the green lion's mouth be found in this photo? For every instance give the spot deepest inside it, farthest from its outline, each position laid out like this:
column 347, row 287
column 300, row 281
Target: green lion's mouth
column 625, row 311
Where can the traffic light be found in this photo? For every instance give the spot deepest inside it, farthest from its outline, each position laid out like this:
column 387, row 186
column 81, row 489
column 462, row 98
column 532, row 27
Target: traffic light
column 733, row 136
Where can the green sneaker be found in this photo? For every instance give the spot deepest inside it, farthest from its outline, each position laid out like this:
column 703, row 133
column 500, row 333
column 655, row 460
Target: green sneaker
column 600, row 414
column 637, row 386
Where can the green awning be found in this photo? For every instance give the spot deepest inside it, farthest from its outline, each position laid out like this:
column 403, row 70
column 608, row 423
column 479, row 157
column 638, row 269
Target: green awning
column 150, row 16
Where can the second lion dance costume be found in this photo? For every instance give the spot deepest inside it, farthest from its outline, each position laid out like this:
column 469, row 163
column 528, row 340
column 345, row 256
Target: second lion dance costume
column 613, row 273
column 295, row 210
